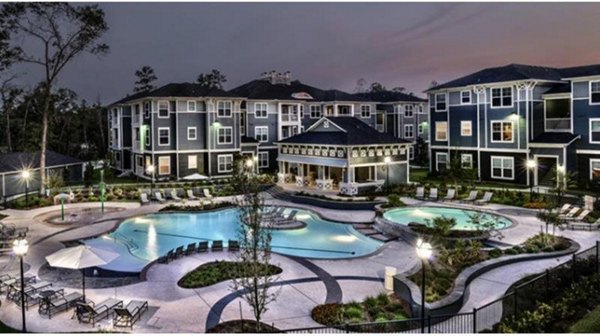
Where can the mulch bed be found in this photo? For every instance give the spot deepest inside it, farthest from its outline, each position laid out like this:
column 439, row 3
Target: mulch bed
column 241, row 326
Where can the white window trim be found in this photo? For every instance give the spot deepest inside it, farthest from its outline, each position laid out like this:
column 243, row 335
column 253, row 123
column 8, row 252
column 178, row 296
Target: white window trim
column 437, row 160
column 501, row 131
column 168, row 109
column 195, row 161
column 147, row 111
column 169, row 136
column 259, row 161
column 436, row 132
column 361, row 111
column 590, row 130
column 420, row 128
column 256, row 128
column 412, row 111
column 230, row 108
column 219, row 170
column 590, row 92
column 591, row 170
column 320, row 111
column 502, row 158
column 195, row 133
column 512, row 97
column 411, row 153
column 223, row 128
column 266, row 110
column 188, row 106
column 412, row 130
column 169, row 165
column 462, row 161
column 435, row 101
column 461, row 97
column 462, row 130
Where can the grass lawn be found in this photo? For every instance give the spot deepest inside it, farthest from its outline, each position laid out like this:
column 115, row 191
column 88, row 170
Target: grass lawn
column 215, row 272
column 588, row 324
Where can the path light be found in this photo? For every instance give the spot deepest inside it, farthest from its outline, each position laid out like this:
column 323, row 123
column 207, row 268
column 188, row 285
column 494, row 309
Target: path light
column 424, row 251
column 150, row 169
column 531, row 164
column 26, row 175
column 20, row 248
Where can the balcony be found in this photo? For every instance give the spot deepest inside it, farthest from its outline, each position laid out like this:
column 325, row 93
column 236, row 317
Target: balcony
column 289, row 117
column 558, row 124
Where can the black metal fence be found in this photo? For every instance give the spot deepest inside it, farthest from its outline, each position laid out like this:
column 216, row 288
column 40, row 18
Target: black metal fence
column 524, row 296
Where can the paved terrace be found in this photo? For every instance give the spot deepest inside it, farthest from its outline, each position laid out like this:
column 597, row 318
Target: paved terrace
column 302, row 285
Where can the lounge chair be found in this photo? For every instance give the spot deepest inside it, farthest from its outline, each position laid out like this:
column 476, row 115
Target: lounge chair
column 580, row 217
column 91, row 313
column 6, row 281
column 58, row 302
column 126, row 317
column 159, row 197
column 564, row 208
column 14, row 292
column 450, row 196
column 420, row 193
column 433, row 194
column 178, row 252
column 233, row 245
column 571, row 213
column 190, row 195
column 207, row 194
column 202, row 247
column 472, row 196
column 144, row 199
column 217, row 245
column 191, row 248
column 487, row 197
column 31, row 297
column 167, row 257
column 174, row 196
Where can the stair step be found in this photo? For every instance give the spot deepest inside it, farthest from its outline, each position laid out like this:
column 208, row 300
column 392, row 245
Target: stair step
column 383, row 237
column 362, row 226
column 368, row 232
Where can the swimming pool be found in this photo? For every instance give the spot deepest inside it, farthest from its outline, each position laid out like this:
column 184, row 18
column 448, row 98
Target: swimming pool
column 422, row 215
column 151, row 236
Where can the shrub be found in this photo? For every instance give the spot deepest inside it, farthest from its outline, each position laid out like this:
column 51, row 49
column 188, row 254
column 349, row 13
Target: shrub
column 394, row 200
column 353, row 313
column 327, row 314
column 495, row 253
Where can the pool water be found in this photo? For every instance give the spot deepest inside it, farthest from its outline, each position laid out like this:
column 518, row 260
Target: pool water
column 424, row 215
column 151, row 236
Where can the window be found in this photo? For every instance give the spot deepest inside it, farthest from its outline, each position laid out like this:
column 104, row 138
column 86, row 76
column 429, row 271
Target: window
column 420, row 128
column 465, row 128
column 301, row 111
column 192, row 162
column 136, row 113
column 595, row 92
column 420, row 109
column 440, row 102
column 558, row 114
column 594, row 130
column 261, row 133
column 466, row 161
column 224, row 163
column 263, row 159
column 147, row 110
column 502, row 97
column 503, row 167
column 315, row 111
column 441, row 131
column 408, row 111
column 594, row 169
column 441, row 161
column 164, row 165
column 365, row 111
column 139, row 162
column 224, row 109
column 502, row 131
column 411, row 153
column 465, row 97
column 118, row 156
column 260, row 110
column 164, row 136
column 147, row 137
column 136, row 131
column 192, row 133
column 408, row 131
column 163, row 109
column 225, row 135
column 191, row 106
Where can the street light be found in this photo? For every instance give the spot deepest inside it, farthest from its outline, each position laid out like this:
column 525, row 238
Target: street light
column 531, row 164
column 424, row 251
column 150, row 170
column 387, row 161
column 25, row 174
column 20, row 247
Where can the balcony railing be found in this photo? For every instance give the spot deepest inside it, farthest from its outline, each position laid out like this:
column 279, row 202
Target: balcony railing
column 289, row 117
column 558, row 124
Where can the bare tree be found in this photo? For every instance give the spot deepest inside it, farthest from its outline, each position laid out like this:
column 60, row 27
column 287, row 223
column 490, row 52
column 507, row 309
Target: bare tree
column 62, row 32
column 145, row 78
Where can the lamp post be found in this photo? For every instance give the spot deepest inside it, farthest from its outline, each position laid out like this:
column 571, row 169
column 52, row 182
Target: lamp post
column 424, row 251
column 387, row 161
column 20, row 247
column 25, row 174
column 150, row 170
column 249, row 165
column 531, row 164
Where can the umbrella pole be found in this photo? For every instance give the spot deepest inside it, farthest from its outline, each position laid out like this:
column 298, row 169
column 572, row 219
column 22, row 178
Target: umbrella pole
column 83, row 284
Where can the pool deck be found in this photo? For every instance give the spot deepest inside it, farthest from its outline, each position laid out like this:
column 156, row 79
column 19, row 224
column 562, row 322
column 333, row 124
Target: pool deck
column 305, row 283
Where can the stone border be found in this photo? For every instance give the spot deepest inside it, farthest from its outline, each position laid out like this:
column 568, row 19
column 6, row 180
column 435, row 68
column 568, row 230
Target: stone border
column 452, row 303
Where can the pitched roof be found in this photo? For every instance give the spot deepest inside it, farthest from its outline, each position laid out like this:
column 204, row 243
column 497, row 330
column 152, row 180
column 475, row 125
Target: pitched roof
column 555, row 138
column 580, row 71
column 11, row 162
column 354, row 132
column 391, row 96
column 560, row 88
column 178, row 90
column 264, row 89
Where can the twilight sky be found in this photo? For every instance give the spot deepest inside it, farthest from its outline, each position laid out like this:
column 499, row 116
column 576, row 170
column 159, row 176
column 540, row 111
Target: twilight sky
column 331, row 45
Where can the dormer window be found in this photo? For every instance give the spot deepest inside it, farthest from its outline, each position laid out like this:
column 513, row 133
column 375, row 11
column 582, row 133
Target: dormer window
column 502, row 97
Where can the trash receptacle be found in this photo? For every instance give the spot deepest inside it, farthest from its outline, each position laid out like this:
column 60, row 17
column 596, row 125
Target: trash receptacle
column 389, row 277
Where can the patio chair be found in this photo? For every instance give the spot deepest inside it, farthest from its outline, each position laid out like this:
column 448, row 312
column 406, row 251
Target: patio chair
column 159, row 197
column 487, row 197
column 420, row 193
column 190, row 195
column 191, row 248
column 31, row 297
column 472, row 196
column 178, row 252
column 58, row 302
column 91, row 313
column 14, row 292
column 167, row 257
column 571, row 213
column 207, row 194
column 6, row 281
column 202, row 247
column 580, row 217
column 126, row 317
column 174, row 196
column 433, row 194
column 564, row 208
column 144, row 199
column 450, row 196
column 217, row 245
column 233, row 245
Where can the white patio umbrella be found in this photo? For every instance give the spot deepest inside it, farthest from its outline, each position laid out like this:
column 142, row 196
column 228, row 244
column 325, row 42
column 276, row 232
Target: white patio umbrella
column 81, row 257
column 194, row 177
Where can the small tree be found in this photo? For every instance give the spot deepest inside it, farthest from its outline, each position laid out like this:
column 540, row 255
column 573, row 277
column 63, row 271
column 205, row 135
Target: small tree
column 213, row 79
column 254, row 255
column 440, row 229
column 562, row 180
column 145, row 78
column 551, row 217
column 485, row 223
